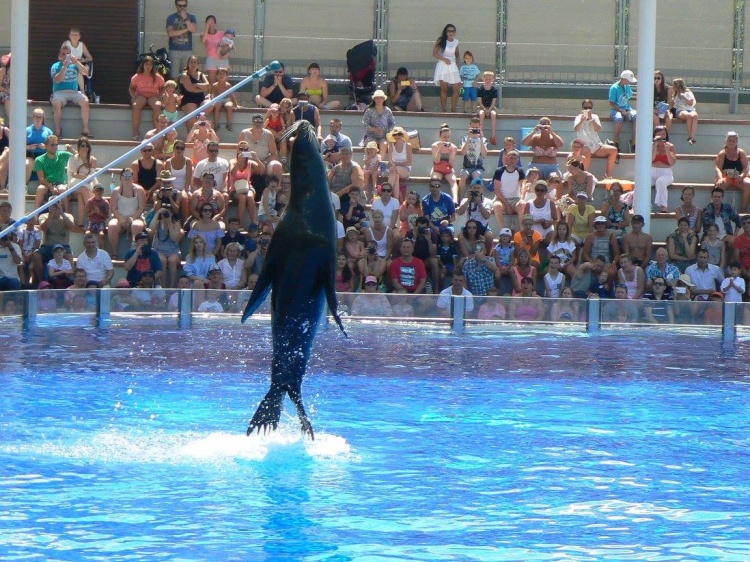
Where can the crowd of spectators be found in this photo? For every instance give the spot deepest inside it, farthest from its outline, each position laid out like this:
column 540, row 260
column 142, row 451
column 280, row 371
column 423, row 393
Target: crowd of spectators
column 391, row 240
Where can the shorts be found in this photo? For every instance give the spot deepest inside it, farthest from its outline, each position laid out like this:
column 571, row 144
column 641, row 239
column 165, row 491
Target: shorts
column 546, row 169
column 471, row 171
column 97, row 227
column 622, row 115
column 68, row 96
column 173, row 116
column 470, row 93
column 212, row 63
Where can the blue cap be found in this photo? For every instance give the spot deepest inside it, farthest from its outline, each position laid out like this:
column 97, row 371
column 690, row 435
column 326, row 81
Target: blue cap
column 230, row 30
column 477, row 181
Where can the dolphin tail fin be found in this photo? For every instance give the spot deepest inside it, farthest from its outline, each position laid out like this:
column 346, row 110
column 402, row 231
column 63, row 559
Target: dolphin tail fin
column 267, row 415
column 296, row 396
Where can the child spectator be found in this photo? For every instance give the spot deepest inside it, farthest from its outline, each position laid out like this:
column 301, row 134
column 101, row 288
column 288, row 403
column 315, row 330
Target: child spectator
column 352, row 210
column 371, row 168
column 487, row 94
column 469, row 73
column 554, row 280
column 601, row 287
column 447, row 254
column 344, row 276
column 331, row 147
column 733, row 287
column 229, row 104
column 509, row 145
column 354, row 248
column 79, row 50
column 98, row 211
column 59, row 270
column 29, row 239
column 504, row 254
column 226, row 45
column 170, row 101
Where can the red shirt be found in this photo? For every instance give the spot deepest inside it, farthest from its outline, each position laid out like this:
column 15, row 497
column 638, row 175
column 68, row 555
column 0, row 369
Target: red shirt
column 742, row 244
column 409, row 274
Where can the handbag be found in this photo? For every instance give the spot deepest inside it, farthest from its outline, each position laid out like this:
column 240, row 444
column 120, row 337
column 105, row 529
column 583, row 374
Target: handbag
column 442, row 167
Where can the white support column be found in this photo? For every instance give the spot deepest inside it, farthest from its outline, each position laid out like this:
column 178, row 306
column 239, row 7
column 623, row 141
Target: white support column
column 19, row 45
column 645, row 107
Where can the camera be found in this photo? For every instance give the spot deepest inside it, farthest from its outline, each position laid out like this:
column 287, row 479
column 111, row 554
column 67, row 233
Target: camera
column 166, row 213
column 371, row 250
column 422, row 229
column 446, row 144
column 264, row 241
column 475, row 131
column 660, row 140
column 473, row 194
column 202, row 123
column 246, row 154
column 166, row 200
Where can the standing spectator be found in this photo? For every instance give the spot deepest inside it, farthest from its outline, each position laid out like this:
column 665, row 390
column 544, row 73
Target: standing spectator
column 145, row 88
column 65, row 74
column 682, row 102
column 36, row 140
column 194, row 88
column 469, row 73
column 79, row 49
column 180, row 28
column 446, row 69
column 407, row 273
column 587, row 125
column 619, row 106
column 211, row 39
column 377, row 121
column 29, row 239
column 95, row 261
column 276, row 86
column 51, row 168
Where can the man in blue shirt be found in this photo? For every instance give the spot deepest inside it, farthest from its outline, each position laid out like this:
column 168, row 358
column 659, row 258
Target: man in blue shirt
column 180, row 29
column 619, row 105
column 438, row 206
column 276, row 86
column 65, row 88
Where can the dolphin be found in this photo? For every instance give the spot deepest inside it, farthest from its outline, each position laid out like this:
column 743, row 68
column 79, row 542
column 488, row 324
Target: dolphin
column 300, row 270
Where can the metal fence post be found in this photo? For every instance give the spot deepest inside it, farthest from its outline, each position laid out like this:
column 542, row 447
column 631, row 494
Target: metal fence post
column 593, row 315
column 729, row 322
column 30, row 308
column 458, row 314
column 103, row 306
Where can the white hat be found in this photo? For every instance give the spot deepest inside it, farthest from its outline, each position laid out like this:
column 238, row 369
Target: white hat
column 629, row 76
column 600, row 219
column 505, row 232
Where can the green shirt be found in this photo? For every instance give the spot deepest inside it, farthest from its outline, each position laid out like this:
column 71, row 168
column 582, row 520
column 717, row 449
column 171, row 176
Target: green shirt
column 54, row 169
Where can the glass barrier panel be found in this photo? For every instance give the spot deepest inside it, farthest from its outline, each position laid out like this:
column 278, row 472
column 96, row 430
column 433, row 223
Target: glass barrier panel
column 394, row 306
column 138, row 300
column 742, row 314
column 12, row 303
column 671, row 312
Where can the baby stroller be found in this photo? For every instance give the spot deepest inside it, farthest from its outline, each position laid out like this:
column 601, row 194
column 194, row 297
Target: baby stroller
column 361, row 64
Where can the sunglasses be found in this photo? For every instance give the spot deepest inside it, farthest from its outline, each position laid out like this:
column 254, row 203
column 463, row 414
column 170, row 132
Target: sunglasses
column 179, row 148
column 659, row 284
column 213, row 150
column 386, row 190
column 207, row 210
column 398, row 134
column 53, row 144
column 182, row 5
column 540, row 190
column 435, row 186
column 147, row 149
column 588, row 107
column 657, row 78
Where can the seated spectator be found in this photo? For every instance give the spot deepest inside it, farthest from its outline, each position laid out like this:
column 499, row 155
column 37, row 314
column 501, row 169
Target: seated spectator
column 717, row 250
column 425, row 248
column 487, row 95
column 51, row 169
column 228, row 104
column 146, row 294
column 567, row 308
column 603, row 243
column 400, row 156
column 304, row 110
column 354, row 248
column 276, row 86
column 141, row 259
column 403, row 92
column 529, row 239
column 147, row 169
column 410, row 210
column 527, row 305
column 379, row 234
column 198, row 262
column 95, row 261
column 447, row 255
column 257, row 257
column 722, row 215
column 174, row 300
column 632, row 276
column 200, row 134
column 164, row 146
column 209, row 229
column 145, row 90
column 76, row 290
column 522, row 269
column 194, row 86
column 373, row 265
column 731, row 170
column 620, row 309
column 509, row 145
column 65, row 74
column 353, row 211
column 685, row 311
column 443, row 159
column 620, row 110
column 506, row 183
column 474, row 151
column 457, row 289
column 706, row 276
column 407, row 273
column 638, row 243
column 371, row 302
column 662, row 115
column 545, row 143
column 332, row 158
column 56, row 227
column 317, row 88
column 167, row 233
column 741, row 248
column 10, row 260
column 492, row 308
column 81, row 165
column 345, row 176
column 437, row 206
column 564, row 248
column 5, row 64
column 580, row 218
column 377, row 121
column 240, row 188
column 659, row 310
column 543, row 212
column 682, row 103
column 36, row 140
column 578, row 180
column 663, row 158
column 479, row 270
column 128, row 203
column 585, row 276
column 661, row 268
column 554, row 279
column 207, row 195
column 29, row 239
column 46, row 298
column 231, row 266
column 388, row 205
column 345, row 278
column 587, row 125
column 504, row 254
column 682, row 245
column 602, row 285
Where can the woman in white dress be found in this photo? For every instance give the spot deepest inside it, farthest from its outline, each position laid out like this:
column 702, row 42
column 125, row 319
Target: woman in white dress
column 446, row 69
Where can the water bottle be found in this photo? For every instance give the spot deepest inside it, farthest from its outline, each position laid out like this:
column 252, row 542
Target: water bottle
column 112, row 183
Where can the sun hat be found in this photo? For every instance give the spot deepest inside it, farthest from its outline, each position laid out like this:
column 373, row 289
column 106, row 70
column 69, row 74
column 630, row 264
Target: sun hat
column 166, row 175
column 600, row 219
column 379, row 94
column 629, row 76
column 390, row 137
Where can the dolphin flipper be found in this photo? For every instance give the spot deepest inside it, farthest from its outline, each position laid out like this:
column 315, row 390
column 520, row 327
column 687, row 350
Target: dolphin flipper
column 259, row 294
column 331, row 299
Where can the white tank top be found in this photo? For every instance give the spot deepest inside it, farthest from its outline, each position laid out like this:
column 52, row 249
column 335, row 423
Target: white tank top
column 180, row 176
column 382, row 243
column 399, row 157
column 543, row 213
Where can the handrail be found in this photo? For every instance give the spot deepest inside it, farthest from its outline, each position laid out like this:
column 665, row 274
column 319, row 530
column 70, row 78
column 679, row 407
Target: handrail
column 272, row 66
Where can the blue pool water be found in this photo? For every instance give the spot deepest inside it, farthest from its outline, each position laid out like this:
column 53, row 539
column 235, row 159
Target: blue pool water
column 126, row 444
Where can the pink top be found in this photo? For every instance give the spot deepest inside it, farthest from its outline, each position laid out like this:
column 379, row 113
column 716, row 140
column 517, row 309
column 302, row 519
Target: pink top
column 211, row 43
column 240, row 175
column 146, row 85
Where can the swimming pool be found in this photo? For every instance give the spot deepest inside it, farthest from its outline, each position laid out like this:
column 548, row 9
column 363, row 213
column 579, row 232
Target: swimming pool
column 128, row 444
